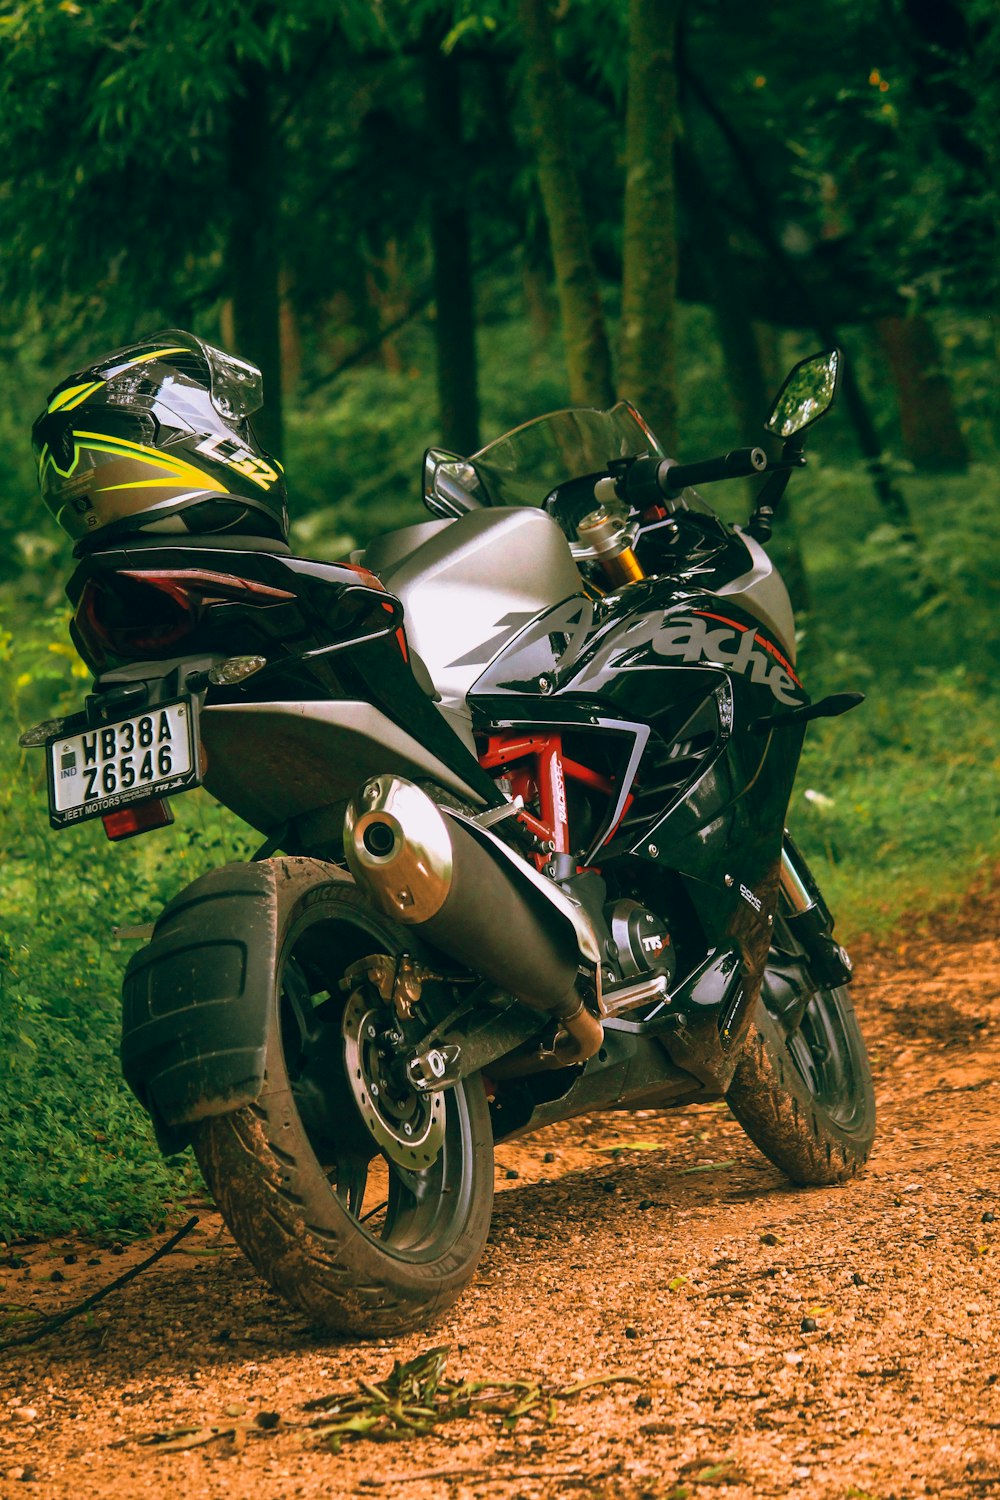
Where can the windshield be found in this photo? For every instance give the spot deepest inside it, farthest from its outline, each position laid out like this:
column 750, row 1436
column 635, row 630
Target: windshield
column 524, row 466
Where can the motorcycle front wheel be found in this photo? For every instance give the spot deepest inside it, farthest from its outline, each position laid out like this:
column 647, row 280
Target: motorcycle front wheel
column 363, row 1203
column 803, row 1088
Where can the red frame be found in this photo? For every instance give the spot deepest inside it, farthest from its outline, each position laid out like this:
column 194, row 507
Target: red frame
column 537, row 767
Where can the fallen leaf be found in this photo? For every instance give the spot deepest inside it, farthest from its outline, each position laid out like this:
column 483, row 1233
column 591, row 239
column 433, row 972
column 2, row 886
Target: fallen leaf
column 634, row 1146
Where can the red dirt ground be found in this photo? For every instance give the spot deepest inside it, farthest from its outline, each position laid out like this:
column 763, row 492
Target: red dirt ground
column 658, row 1246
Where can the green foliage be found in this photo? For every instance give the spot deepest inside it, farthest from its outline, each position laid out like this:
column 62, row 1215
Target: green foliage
column 898, row 804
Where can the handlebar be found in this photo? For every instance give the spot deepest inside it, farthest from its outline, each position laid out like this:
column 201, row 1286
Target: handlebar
column 741, row 463
column 648, row 480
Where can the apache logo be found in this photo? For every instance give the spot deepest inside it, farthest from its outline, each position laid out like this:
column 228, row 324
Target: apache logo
column 738, row 647
column 714, row 640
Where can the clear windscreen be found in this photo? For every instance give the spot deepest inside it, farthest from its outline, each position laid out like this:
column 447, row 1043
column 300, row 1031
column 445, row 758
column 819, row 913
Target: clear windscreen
column 524, row 466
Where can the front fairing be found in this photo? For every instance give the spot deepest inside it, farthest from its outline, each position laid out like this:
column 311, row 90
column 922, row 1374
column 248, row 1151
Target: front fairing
column 693, row 671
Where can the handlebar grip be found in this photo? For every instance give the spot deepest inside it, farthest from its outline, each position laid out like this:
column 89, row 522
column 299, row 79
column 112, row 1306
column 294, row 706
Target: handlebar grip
column 741, row 463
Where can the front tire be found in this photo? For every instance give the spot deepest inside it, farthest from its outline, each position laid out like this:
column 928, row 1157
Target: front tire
column 330, row 1212
column 803, row 1088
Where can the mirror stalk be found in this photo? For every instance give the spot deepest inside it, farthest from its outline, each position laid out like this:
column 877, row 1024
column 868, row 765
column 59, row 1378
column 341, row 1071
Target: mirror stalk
column 761, row 522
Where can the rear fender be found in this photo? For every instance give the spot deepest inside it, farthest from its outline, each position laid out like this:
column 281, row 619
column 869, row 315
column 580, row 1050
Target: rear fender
column 196, row 1001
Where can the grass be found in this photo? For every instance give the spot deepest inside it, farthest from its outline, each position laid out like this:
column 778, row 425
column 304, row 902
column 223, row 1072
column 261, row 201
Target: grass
column 76, row 1151
column 907, row 812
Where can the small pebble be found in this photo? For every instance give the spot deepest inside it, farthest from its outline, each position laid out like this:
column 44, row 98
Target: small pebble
column 808, row 1325
column 15, row 1473
column 609, row 1186
column 645, row 1203
column 95, row 1260
column 511, row 1173
column 117, row 1248
column 58, row 1275
column 24, row 1413
column 70, row 1260
column 16, row 1262
column 549, row 1156
column 858, row 1280
column 989, row 1216
column 801, row 1472
column 793, row 1358
column 769, row 1239
column 631, row 1333
column 28, row 1474
column 267, row 1419
column 643, row 1402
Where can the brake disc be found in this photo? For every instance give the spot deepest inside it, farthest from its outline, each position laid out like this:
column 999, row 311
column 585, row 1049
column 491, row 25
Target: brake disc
column 406, row 1126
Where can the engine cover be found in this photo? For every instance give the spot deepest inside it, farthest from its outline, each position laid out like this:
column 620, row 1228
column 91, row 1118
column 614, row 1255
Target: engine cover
column 642, row 939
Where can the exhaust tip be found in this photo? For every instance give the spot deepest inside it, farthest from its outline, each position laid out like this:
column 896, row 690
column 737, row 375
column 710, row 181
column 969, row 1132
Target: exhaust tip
column 379, row 839
column 398, row 848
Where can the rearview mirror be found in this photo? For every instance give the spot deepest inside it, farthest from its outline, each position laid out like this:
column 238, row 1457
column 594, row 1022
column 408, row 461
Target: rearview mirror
column 446, row 476
column 807, row 394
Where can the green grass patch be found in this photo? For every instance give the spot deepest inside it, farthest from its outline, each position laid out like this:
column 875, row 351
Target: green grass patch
column 76, row 1151
column 904, row 811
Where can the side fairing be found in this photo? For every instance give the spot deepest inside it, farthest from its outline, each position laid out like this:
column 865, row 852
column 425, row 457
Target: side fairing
column 708, row 794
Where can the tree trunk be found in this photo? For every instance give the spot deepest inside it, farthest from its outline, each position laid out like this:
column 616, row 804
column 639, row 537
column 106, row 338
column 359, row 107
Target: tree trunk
column 253, row 258
column 588, row 356
column 454, row 290
column 889, row 495
column 932, row 438
column 649, row 253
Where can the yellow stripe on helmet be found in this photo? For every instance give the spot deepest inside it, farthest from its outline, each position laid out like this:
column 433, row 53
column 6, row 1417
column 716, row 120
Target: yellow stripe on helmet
column 66, row 400
column 100, row 442
column 142, row 359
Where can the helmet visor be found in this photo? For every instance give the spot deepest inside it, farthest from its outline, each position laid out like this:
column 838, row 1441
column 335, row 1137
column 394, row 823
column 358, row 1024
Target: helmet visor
column 237, row 386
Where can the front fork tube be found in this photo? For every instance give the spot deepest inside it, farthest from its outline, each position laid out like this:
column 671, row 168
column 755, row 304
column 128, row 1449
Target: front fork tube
column 809, row 921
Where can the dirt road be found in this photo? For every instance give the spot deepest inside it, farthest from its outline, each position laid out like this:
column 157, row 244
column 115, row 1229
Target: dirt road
column 828, row 1343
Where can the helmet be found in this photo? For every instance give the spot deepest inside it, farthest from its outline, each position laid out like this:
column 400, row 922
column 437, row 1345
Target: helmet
column 155, row 438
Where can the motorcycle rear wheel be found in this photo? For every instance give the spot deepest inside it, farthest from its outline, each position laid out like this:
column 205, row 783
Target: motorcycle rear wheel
column 298, row 1175
column 803, row 1092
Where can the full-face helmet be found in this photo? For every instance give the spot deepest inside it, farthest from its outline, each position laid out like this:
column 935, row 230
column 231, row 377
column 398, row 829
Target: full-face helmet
column 156, row 438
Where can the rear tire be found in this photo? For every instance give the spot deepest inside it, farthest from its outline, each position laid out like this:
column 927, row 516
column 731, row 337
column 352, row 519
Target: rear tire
column 803, row 1093
column 293, row 1173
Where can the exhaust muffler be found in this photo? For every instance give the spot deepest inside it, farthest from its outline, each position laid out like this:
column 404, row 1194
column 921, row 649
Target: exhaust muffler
column 477, row 901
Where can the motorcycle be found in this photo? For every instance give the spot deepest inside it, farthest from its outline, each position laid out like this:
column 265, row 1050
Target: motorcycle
column 521, row 771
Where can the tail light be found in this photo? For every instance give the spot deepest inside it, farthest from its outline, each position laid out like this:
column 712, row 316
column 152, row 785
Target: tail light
column 130, row 616
column 126, row 822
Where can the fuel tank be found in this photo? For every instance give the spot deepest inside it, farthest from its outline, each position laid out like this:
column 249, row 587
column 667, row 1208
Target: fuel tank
column 467, row 586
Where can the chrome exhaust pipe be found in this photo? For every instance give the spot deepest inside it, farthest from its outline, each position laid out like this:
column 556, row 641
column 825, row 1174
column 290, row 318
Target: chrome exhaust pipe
column 477, row 901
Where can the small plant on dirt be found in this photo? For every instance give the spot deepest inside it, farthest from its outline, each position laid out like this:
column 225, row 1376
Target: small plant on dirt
column 410, row 1402
column 414, row 1398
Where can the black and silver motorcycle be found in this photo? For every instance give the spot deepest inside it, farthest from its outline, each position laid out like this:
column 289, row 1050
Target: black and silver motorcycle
column 522, row 772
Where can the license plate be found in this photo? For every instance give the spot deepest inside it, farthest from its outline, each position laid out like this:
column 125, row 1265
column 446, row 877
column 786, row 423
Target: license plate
column 152, row 754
